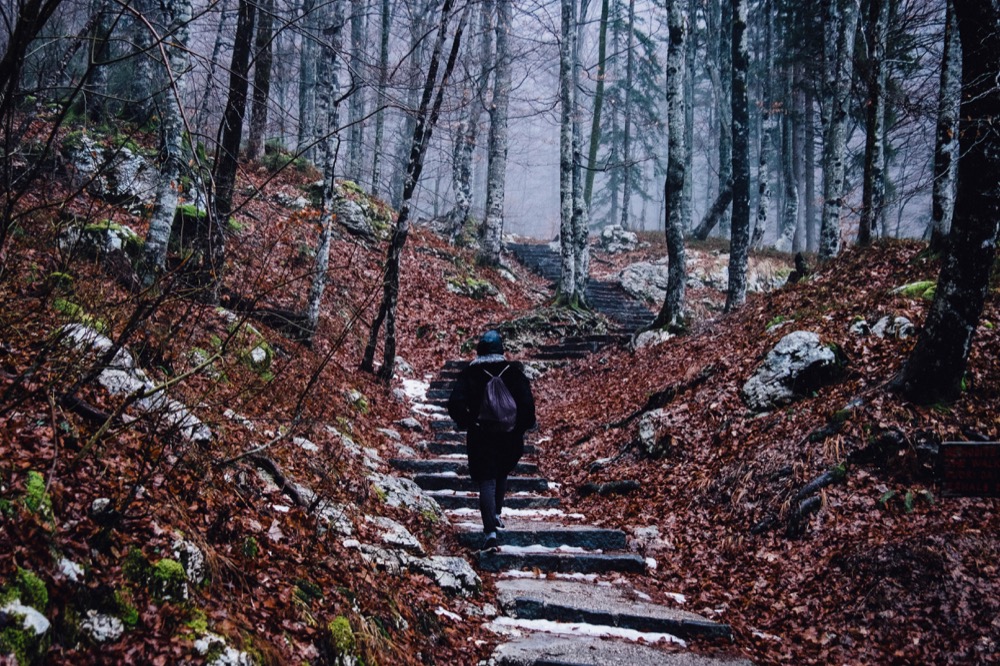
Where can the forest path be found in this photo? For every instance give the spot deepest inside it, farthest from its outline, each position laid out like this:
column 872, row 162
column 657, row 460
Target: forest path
column 566, row 586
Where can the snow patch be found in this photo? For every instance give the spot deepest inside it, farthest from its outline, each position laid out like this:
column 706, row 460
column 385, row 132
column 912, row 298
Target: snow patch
column 443, row 612
column 514, row 626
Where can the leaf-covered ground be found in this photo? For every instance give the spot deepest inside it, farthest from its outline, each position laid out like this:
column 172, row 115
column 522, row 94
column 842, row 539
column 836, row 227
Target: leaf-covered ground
column 885, row 572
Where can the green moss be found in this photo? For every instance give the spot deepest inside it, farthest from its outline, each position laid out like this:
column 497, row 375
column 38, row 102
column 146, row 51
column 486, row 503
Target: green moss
column 24, row 644
column 429, row 516
column 924, row 289
column 76, row 313
column 235, row 226
column 190, row 211
column 35, row 497
column 198, row 622
column 73, row 140
column 168, row 579
column 32, row 589
column 59, row 279
column 839, row 472
column 306, row 590
column 380, row 493
column 341, row 636
column 127, row 613
column 473, row 287
column 251, row 549
column 7, row 508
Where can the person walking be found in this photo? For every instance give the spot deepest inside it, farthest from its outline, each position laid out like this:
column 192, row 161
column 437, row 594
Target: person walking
column 493, row 446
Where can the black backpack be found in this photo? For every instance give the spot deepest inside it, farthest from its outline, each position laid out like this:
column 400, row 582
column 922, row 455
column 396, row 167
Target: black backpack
column 498, row 411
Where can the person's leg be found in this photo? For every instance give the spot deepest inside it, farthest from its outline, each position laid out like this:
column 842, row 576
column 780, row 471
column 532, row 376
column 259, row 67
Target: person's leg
column 499, row 492
column 487, row 506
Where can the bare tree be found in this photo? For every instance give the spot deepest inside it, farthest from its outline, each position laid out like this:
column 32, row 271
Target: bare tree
column 671, row 315
column 739, row 245
column 873, row 196
column 935, row 369
column 492, row 233
column 946, row 144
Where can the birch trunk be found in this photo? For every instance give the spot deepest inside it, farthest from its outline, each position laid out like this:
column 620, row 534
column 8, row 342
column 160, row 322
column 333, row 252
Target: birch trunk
column 492, row 236
column 946, row 144
column 328, row 96
column 739, row 245
column 790, row 210
column 201, row 119
column 935, row 370
column 176, row 20
column 725, row 106
column 671, row 315
column 766, row 138
column 842, row 19
column 581, row 228
column 809, row 120
column 567, row 276
column 627, row 144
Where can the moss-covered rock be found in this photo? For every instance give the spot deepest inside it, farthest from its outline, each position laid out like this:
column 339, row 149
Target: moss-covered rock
column 26, row 634
column 924, row 289
column 168, row 580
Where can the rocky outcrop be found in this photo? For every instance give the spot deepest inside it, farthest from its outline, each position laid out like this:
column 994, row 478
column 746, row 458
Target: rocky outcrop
column 615, row 239
column 798, row 365
column 116, row 174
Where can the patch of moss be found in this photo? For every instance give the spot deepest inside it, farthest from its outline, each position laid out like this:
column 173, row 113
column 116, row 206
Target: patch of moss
column 73, row 140
column 126, row 611
column 380, row 493
column 251, row 549
column 306, row 590
column 62, row 280
column 168, row 579
column 24, row 644
column 341, row 636
column 7, row 508
column 31, row 588
column 780, row 319
column 35, row 497
column 924, row 289
column 198, row 622
column 75, row 312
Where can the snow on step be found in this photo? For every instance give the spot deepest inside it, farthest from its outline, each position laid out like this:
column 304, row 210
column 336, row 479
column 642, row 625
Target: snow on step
column 586, row 651
column 569, row 601
column 528, row 532
column 553, row 561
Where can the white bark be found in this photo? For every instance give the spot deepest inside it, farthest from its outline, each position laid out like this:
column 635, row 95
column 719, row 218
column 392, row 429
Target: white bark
column 842, row 19
column 946, row 146
column 567, row 277
column 176, row 17
column 489, row 249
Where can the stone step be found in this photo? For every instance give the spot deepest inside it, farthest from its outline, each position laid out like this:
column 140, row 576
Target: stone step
column 454, row 445
column 515, row 484
column 524, row 533
column 443, row 424
column 456, row 465
column 560, row 562
column 548, row 650
column 435, row 394
column 561, row 355
column 449, row 436
column 456, row 364
column 571, row 601
column 451, row 501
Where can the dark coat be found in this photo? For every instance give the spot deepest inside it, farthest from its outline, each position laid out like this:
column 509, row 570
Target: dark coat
column 491, row 454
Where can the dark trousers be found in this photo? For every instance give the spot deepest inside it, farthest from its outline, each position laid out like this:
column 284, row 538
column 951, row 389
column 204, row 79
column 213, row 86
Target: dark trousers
column 491, row 492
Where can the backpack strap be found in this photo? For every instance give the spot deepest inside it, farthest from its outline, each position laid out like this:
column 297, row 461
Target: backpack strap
column 499, row 374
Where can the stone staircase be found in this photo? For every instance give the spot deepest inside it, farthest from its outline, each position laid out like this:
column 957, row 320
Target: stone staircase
column 566, row 557
column 608, row 298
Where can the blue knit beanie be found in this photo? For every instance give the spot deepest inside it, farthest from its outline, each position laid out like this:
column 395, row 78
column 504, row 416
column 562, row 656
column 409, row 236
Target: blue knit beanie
column 490, row 343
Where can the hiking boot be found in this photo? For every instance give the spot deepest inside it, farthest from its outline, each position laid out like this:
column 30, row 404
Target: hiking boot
column 500, row 525
column 491, row 545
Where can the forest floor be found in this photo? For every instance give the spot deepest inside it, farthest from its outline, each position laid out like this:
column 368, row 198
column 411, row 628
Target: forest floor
column 885, row 572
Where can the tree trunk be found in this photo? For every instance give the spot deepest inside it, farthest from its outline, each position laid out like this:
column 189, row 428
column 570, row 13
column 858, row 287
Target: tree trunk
column 842, row 19
column 790, row 210
column 595, row 126
column 492, row 236
column 946, row 144
column 425, row 120
column 739, row 244
column 356, row 104
column 261, row 79
column 725, row 105
column 383, row 78
column 935, row 370
column 809, row 120
column 581, row 229
column 467, row 132
column 328, row 101
column 873, row 194
column 201, row 119
column 567, row 277
column 672, row 316
column 714, row 213
column 690, row 60
column 95, row 87
column 176, row 19
column 766, row 132
column 627, row 143
column 307, row 81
